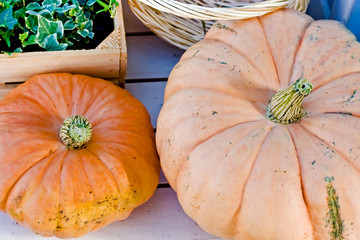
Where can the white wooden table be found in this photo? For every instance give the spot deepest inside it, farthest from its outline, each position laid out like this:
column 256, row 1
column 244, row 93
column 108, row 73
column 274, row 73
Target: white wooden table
column 150, row 61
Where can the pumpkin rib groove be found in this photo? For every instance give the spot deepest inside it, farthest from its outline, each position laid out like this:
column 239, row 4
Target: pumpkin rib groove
column 212, row 87
column 332, row 80
column 269, row 49
column 122, row 163
column 301, row 179
column 333, row 47
column 28, row 123
column 215, row 90
column 205, row 140
column 206, row 88
column 131, row 176
column 209, row 39
column 296, row 53
column 91, row 107
column 51, row 99
column 213, row 164
column 58, row 216
column 125, row 166
column 134, row 132
column 33, row 100
column 237, row 51
column 298, row 47
column 53, row 147
column 302, row 34
column 94, row 227
column 317, row 230
column 116, row 144
column 235, row 217
column 252, row 63
column 90, row 104
column 26, row 135
column 10, row 190
column 101, row 162
column 343, row 156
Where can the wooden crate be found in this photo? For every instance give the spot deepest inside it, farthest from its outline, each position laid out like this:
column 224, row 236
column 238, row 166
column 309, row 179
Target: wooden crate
column 107, row 61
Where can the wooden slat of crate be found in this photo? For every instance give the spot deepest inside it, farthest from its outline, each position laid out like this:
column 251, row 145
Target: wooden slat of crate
column 104, row 63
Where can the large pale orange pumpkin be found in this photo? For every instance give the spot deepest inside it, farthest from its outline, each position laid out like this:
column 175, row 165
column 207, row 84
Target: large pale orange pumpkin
column 246, row 168
column 65, row 188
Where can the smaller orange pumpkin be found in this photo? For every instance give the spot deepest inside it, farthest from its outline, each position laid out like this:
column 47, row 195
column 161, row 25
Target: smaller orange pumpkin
column 102, row 166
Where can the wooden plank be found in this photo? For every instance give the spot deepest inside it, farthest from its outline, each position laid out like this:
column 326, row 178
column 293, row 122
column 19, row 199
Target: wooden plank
column 160, row 218
column 162, row 179
column 102, row 63
column 151, row 94
column 150, row 57
column 132, row 23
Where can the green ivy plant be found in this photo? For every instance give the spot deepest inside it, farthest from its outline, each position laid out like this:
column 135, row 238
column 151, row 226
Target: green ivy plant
column 52, row 25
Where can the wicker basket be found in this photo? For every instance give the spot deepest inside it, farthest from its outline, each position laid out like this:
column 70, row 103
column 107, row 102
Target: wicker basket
column 185, row 22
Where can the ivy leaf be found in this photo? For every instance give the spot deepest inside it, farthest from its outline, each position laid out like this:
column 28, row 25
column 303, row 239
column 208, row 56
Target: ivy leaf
column 31, row 40
column 85, row 29
column 52, row 2
column 31, row 23
column 49, row 8
column 21, row 13
column 18, row 50
column 85, row 33
column 34, row 6
column 32, row 13
column 6, row 36
column 69, row 25
column 90, row 2
column 7, row 20
column 64, row 8
column 50, row 43
column 48, row 27
column 23, row 36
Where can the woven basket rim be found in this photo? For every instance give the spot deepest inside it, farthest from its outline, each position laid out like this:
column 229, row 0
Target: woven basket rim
column 199, row 12
column 183, row 24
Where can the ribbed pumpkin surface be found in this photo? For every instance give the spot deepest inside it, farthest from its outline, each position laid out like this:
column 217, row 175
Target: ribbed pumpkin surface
column 65, row 192
column 241, row 176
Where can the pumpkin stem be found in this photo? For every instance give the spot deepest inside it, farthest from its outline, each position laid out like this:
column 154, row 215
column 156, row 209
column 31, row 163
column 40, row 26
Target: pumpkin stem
column 75, row 131
column 285, row 106
column 333, row 219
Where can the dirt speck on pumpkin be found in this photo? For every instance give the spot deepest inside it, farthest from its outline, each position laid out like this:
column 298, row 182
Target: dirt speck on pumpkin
column 223, row 26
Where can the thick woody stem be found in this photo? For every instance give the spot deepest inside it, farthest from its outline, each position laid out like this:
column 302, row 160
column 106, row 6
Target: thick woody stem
column 75, row 131
column 285, row 106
